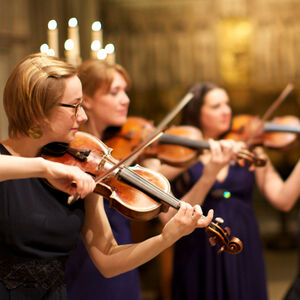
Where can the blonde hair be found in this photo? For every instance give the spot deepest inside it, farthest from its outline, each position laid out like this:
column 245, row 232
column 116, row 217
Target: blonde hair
column 95, row 74
column 34, row 87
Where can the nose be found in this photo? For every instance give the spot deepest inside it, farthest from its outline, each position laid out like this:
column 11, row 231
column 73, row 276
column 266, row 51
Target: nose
column 227, row 109
column 125, row 99
column 81, row 115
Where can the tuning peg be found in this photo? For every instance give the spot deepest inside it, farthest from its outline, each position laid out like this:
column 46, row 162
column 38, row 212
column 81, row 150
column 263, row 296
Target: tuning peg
column 212, row 241
column 219, row 220
column 221, row 250
column 227, row 230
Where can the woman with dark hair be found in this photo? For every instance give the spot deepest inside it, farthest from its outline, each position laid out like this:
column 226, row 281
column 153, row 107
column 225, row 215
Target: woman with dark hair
column 199, row 272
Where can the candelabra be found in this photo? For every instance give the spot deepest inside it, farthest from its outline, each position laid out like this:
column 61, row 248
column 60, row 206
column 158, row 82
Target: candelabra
column 72, row 44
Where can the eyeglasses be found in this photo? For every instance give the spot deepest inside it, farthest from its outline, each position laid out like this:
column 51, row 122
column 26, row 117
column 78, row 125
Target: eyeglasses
column 75, row 106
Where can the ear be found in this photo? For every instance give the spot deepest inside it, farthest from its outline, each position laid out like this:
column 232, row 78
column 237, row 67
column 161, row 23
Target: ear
column 87, row 102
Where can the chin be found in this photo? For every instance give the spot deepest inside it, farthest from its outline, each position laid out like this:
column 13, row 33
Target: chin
column 120, row 122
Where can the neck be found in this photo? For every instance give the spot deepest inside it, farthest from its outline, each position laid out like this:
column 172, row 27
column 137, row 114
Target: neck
column 24, row 146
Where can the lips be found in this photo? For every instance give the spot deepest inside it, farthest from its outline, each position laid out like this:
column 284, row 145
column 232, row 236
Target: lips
column 123, row 112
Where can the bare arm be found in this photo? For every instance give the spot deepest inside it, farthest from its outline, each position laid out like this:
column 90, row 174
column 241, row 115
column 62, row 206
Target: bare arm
column 112, row 259
column 59, row 175
column 282, row 194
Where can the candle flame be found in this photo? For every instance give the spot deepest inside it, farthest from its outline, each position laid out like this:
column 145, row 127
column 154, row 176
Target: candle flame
column 44, row 48
column 73, row 22
column 96, row 45
column 69, row 44
column 101, row 54
column 110, row 48
column 96, row 26
column 52, row 25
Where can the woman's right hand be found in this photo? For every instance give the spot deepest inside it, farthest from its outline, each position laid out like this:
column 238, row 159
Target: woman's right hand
column 69, row 179
column 185, row 221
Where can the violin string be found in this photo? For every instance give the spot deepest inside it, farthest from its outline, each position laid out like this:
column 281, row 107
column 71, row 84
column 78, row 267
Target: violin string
column 148, row 187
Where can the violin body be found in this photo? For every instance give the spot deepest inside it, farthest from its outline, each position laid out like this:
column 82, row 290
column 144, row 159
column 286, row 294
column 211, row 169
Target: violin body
column 136, row 129
column 281, row 133
column 129, row 201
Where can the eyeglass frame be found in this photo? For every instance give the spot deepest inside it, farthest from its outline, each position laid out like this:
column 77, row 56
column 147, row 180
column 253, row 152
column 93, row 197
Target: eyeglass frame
column 75, row 106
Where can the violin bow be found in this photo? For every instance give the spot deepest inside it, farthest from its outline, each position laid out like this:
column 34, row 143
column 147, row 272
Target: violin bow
column 271, row 109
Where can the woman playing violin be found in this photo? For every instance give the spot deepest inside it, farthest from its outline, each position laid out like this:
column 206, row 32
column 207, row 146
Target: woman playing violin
column 42, row 100
column 202, row 274
column 106, row 104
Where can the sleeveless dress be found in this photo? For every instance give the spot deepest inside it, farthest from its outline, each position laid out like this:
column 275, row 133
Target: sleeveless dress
column 199, row 272
column 38, row 230
column 85, row 282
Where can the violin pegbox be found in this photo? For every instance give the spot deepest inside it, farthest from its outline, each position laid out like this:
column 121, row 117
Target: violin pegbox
column 219, row 236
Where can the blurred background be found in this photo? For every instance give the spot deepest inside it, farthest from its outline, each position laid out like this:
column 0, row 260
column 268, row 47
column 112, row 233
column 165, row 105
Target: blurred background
column 250, row 47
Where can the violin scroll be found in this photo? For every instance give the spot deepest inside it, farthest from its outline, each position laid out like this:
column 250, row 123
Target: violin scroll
column 220, row 236
column 250, row 157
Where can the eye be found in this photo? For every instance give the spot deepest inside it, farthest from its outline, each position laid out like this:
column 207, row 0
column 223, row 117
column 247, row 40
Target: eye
column 114, row 92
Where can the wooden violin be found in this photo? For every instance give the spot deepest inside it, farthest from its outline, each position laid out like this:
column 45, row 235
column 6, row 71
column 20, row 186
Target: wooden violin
column 137, row 193
column 179, row 146
column 281, row 133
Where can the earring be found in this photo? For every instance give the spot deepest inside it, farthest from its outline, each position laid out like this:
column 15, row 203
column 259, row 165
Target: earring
column 35, row 132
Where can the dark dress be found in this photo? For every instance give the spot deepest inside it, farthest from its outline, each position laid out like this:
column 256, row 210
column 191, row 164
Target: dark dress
column 37, row 233
column 199, row 272
column 293, row 292
column 85, row 282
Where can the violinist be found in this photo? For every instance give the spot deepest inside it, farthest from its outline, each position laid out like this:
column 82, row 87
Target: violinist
column 202, row 274
column 42, row 100
column 106, row 104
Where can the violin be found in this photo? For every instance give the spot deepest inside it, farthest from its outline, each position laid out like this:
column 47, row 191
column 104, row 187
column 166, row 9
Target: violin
column 281, row 133
column 179, row 146
column 137, row 193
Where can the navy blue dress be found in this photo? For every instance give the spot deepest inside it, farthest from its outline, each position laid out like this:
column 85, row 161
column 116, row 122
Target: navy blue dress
column 38, row 230
column 85, row 282
column 199, row 272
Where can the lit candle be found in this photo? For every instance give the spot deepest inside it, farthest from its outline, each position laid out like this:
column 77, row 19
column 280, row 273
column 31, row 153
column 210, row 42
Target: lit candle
column 73, row 34
column 110, row 50
column 97, row 34
column 70, row 53
column 53, row 37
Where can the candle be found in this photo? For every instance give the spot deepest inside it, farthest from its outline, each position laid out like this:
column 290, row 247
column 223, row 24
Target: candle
column 96, row 38
column 70, row 54
column 73, row 34
column 110, row 50
column 53, row 37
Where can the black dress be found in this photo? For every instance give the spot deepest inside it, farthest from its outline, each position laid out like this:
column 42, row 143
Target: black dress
column 38, row 230
column 294, row 291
